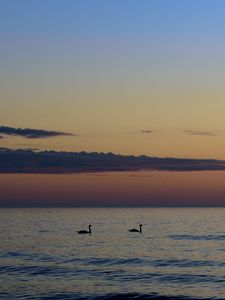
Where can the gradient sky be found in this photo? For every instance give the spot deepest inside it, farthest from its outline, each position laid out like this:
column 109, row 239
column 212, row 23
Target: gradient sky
column 110, row 70
column 124, row 76
column 114, row 189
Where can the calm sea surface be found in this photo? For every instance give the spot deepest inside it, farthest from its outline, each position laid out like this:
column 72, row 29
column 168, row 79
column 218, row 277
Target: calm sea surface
column 181, row 253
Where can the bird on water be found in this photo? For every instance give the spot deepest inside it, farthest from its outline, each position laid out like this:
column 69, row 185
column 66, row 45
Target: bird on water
column 136, row 230
column 85, row 231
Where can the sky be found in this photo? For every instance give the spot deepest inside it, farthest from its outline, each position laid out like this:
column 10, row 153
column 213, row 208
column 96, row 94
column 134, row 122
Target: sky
column 156, row 189
column 130, row 77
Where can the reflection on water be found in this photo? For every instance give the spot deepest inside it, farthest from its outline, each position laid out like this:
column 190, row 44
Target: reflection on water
column 181, row 252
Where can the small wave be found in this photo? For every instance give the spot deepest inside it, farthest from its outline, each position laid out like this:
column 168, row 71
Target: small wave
column 144, row 261
column 209, row 237
column 136, row 296
column 129, row 261
column 44, row 230
column 185, row 263
column 110, row 296
column 116, row 261
column 33, row 270
column 152, row 277
column 30, row 256
column 106, row 261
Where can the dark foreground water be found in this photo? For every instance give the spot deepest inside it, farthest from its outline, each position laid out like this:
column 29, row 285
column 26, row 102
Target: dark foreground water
column 179, row 255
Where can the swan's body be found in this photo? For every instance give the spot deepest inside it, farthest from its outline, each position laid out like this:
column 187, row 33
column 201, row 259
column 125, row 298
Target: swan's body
column 136, row 230
column 85, row 231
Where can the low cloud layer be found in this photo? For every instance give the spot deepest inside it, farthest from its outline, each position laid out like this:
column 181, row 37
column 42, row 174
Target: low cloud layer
column 29, row 161
column 31, row 133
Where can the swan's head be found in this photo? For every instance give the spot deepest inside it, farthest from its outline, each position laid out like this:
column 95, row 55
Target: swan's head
column 141, row 225
column 89, row 226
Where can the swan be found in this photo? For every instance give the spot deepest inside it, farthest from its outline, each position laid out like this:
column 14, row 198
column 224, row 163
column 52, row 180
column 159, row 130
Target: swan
column 85, row 231
column 136, row 230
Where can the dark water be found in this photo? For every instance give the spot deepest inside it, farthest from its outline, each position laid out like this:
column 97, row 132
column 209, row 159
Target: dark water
column 179, row 255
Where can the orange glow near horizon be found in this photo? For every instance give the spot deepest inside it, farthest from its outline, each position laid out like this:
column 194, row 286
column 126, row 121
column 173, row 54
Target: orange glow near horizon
column 156, row 188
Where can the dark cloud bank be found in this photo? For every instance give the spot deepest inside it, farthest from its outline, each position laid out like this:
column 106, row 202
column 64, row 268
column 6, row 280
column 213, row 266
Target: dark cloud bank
column 31, row 133
column 52, row 162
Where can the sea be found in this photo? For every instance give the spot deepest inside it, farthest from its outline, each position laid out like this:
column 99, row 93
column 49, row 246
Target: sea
column 179, row 255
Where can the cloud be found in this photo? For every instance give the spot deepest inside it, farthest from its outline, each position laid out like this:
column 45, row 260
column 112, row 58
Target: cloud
column 143, row 131
column 200, row 132
column 31, row 133
column 30, row 161
column 146, row 131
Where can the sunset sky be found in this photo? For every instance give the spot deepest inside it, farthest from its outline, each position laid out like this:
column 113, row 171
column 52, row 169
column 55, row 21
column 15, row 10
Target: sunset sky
column 131, row 77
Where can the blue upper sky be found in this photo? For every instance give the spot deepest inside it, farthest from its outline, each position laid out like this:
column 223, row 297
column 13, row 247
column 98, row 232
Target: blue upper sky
column 114, row 67
column 108, row 17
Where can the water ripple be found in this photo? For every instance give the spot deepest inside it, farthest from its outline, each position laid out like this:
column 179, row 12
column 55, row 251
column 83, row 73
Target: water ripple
column 109, row 296
column 210, row 237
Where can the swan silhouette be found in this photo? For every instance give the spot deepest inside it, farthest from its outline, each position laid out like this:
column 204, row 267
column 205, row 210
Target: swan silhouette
column 136, row 230
column 85, row 231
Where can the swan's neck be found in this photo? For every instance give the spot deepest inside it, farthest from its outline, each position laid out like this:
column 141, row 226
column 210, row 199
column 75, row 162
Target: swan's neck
column 140, row 229
column 89, row 229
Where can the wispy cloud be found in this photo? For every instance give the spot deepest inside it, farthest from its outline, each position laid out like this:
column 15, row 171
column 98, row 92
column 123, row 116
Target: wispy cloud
column 31, row 133
column 147, row 131
column 154, row 131
column 143, row 131
column 172, row 131
column 200, row 132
